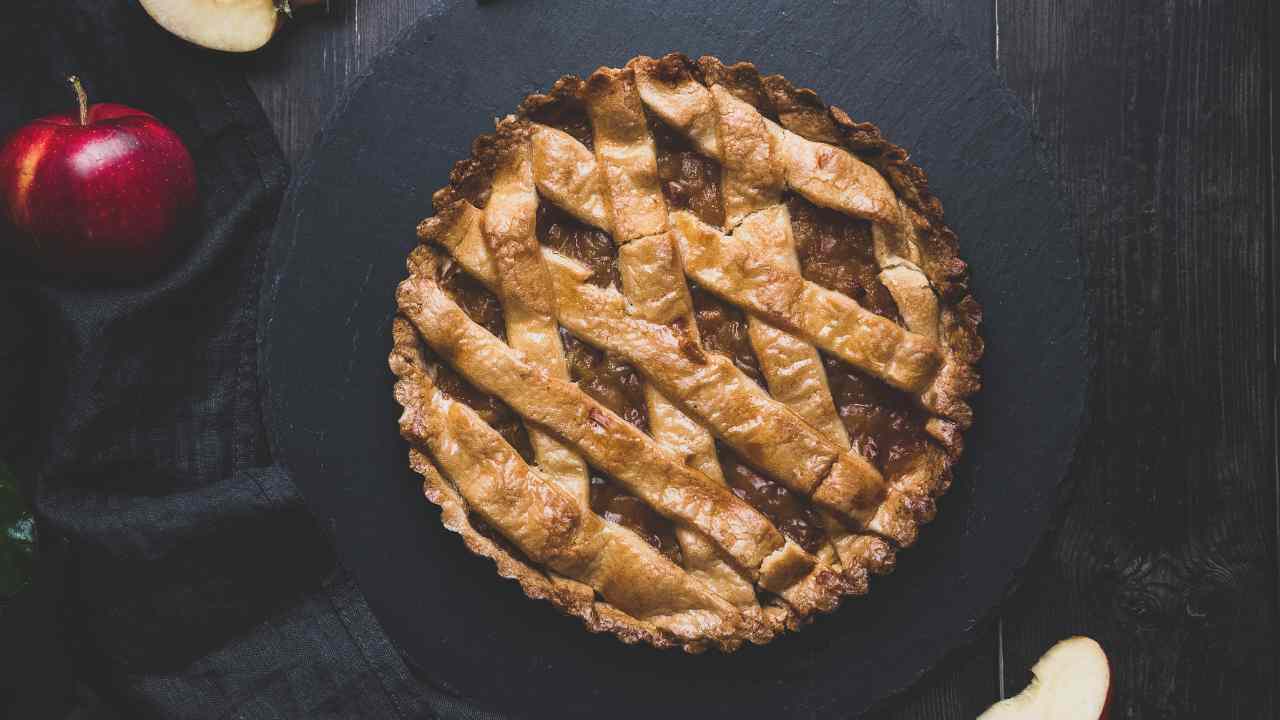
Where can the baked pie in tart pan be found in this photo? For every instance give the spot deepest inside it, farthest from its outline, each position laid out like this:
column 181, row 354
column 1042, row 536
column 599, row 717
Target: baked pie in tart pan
column 686, row 352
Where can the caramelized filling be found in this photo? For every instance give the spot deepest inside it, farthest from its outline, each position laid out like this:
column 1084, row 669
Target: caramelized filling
column 836, row 252
column 690, row 181
column 612, row 503
column 590, row 246
column 794, row 517
column 723, row 328
column 607, row 378
column 567, row 113
column 884, row 423
column 472, row 296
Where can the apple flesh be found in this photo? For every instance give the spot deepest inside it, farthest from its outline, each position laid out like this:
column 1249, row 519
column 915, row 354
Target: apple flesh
column 1071, row 682
column 226, row 25
column 96, row 192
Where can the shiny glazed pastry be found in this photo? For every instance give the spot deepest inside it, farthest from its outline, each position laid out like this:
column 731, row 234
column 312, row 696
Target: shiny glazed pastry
column 686, row 352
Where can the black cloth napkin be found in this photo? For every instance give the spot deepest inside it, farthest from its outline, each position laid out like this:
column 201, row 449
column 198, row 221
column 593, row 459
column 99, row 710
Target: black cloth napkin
column 181, row 574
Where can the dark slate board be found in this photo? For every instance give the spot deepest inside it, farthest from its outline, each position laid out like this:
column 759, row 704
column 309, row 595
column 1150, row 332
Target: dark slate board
column 339, row 252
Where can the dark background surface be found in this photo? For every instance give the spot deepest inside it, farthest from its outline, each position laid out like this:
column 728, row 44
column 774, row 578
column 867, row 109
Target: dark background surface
column 1158, row 116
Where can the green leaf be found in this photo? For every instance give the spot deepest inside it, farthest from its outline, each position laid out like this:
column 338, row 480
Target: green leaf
column 17, row 537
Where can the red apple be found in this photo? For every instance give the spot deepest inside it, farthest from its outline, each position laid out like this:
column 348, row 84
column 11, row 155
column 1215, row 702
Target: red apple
column 97, row 192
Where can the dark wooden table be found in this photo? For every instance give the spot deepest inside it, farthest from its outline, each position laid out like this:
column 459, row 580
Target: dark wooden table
column 1159, row 115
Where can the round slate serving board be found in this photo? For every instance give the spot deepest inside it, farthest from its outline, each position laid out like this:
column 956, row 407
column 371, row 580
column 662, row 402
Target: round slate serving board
column 339, row 251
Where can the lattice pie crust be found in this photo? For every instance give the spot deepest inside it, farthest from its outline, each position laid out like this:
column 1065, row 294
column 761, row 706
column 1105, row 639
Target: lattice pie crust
column 780, row 496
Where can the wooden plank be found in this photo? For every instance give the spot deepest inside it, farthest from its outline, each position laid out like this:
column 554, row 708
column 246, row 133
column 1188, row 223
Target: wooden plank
column 1271, row 40
column 1273, row 209
column 1155, row 112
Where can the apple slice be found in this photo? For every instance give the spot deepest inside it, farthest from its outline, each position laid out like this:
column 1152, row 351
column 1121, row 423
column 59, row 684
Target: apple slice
column 227, row 25
column 1072, row 682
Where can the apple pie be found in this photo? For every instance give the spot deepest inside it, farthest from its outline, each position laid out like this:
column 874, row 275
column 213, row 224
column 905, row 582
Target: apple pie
column 686, row 352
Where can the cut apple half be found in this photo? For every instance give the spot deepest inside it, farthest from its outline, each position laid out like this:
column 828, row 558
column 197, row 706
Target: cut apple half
column 227, row 25
column 1071, row 682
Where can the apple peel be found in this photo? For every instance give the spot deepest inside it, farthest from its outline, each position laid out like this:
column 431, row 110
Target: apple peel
column 99, row 191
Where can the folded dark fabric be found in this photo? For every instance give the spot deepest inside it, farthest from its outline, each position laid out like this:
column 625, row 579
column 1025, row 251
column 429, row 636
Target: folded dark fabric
column 181, row 573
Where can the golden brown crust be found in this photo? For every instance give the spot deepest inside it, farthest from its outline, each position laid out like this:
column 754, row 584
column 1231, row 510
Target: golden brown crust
column 471, row 178
column 921, row 246
column 563, row 106
column 626, row 155
column 567, row 174
column 741, row 78
column 670, row 91
column 800, row 110
column 753, row 168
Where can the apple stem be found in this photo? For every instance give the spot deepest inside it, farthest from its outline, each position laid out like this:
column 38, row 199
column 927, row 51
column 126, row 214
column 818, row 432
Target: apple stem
column 81, row 98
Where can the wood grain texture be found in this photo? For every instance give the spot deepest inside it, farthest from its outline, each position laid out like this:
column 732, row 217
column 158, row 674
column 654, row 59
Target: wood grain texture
column 1272, row 33
column 1154, row 112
